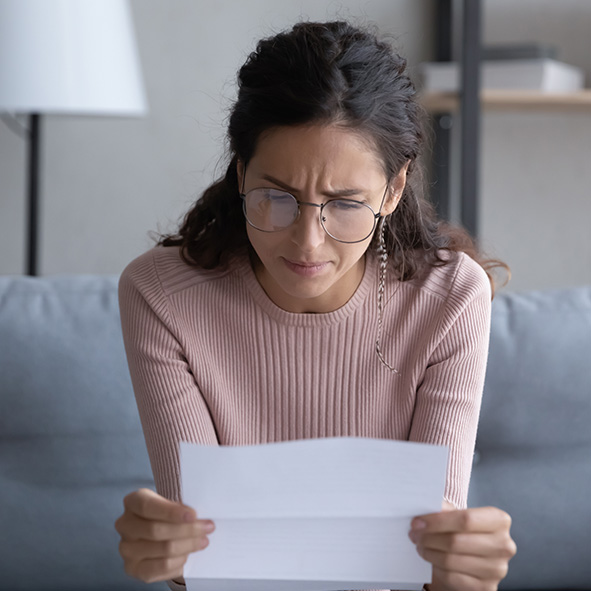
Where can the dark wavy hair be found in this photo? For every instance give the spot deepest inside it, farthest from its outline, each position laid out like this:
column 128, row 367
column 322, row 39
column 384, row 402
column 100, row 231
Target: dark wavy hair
column 329, row 73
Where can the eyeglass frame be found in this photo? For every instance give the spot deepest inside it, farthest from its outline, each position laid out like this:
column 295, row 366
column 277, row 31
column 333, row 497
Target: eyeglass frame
column 320, row 205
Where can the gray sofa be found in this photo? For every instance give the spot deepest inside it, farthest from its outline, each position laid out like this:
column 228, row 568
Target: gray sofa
column 71, row 443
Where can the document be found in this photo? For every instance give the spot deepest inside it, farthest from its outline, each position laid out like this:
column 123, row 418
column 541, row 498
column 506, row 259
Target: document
column 328, row 514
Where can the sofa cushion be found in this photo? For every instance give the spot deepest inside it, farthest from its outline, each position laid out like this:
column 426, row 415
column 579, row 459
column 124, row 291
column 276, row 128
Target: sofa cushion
column 71, row 444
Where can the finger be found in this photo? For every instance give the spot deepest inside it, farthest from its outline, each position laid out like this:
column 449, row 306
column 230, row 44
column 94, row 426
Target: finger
column 136, row 528
column 150, row 505
column 496, row 545
column 478, row 519
column 143, row 549
column 475, row 566
column 452, row 580
column 157, row 569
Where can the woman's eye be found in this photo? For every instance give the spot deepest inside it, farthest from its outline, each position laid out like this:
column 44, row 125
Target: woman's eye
column 279, row 197
column 345, row 205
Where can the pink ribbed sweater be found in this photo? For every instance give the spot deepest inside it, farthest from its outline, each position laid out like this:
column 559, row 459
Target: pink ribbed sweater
column 214, row 360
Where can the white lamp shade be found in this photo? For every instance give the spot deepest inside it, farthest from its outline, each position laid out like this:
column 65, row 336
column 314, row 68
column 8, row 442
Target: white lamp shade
column 69, row 56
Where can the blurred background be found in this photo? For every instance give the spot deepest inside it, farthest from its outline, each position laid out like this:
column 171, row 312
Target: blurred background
column 107, row 182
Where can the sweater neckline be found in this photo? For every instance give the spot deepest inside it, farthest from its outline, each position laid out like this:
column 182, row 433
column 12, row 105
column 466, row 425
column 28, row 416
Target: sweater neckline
column 243, row 267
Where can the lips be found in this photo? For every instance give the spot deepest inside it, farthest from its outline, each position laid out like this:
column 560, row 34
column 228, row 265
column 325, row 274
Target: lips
column 306, row 263
column 306, row 268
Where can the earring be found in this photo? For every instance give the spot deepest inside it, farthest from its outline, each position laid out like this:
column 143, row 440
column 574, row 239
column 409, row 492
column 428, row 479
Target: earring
column 383, row 261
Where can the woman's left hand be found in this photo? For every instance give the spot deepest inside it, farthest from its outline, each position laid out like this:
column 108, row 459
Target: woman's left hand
column 469, row 548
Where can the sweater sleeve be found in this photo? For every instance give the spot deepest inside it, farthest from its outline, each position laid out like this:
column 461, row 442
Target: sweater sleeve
column 449, row 397
column 169, row 401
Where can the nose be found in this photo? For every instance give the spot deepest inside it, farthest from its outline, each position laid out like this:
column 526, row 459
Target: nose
column 307, row 232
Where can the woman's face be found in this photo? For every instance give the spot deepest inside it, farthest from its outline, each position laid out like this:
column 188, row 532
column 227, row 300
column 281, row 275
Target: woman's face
column 301, row 268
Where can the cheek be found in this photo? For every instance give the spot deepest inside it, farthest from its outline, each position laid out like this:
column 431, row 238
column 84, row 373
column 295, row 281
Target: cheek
column 262, row 242
column 253, row 235
column 357, row 251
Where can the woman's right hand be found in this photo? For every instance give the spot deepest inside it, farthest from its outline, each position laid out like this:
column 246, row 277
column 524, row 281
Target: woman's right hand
column 157, row 536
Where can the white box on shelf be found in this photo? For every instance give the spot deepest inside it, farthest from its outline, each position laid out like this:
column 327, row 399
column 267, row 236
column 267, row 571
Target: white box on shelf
column 544, row 75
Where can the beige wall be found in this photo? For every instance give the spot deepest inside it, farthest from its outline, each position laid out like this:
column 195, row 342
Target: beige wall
column 536, row 167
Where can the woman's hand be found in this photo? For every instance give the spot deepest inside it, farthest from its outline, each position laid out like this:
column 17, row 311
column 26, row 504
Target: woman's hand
column 469, row 549
column 157, row 536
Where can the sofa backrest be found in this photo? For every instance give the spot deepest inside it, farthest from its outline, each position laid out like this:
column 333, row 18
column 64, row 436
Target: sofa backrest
column 71, row 444
column 533, row 448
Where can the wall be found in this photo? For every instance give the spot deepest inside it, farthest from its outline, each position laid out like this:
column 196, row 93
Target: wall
column 536, row 173
column 107, row 182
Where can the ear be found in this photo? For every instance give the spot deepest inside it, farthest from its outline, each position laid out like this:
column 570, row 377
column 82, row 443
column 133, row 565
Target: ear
column 396, row 190
column 240, row 172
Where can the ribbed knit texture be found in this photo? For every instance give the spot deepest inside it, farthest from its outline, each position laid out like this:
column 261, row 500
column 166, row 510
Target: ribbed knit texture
column 214, row 360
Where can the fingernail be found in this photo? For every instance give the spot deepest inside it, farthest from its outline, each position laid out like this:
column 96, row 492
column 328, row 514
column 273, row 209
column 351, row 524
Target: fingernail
column 189, row 517
column 414, row 536
column 209, row 527
column 204, row 543
column 418, row 524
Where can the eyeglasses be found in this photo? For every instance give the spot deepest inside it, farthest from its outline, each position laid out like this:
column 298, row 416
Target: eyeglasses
column 345, row 220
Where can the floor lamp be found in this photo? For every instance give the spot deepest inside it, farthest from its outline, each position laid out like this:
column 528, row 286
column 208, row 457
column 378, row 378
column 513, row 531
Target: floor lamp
column 60, row 57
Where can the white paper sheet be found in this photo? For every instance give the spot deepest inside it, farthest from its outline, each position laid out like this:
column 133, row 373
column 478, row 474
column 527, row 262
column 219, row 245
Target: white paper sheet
column 311, row 515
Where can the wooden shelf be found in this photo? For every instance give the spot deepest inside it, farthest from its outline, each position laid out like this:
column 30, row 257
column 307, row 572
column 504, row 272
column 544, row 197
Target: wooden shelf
column 505, row 100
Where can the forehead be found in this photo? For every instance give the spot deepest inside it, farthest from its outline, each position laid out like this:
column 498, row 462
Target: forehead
column 330, row 153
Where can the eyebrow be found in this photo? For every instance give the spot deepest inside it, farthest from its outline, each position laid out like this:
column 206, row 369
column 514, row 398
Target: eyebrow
column 339, row 193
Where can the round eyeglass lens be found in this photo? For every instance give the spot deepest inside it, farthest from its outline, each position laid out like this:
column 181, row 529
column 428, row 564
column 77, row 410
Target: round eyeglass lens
column 270, row 210
column 348, row 221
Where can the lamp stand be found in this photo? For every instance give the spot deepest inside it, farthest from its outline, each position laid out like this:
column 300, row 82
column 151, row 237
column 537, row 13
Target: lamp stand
column 34, row 158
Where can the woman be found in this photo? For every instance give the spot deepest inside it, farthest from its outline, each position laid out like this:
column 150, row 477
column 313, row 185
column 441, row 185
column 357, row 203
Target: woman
column 312, row 292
